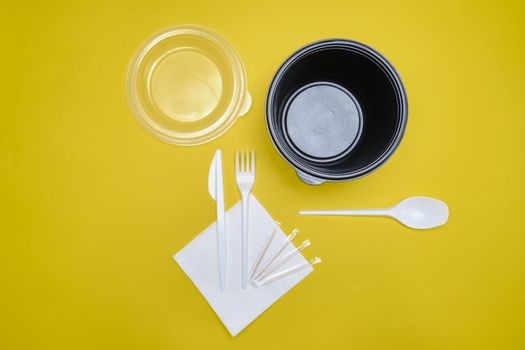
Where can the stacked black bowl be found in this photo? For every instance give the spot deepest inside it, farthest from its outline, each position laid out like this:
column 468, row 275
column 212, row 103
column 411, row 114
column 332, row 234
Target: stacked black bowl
column 336, row 110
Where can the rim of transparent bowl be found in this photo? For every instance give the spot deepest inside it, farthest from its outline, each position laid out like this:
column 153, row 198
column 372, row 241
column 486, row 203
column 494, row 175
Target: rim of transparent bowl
column 240, row 85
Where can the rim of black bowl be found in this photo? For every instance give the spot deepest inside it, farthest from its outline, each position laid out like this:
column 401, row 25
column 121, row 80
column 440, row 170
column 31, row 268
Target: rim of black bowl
column 383, row 64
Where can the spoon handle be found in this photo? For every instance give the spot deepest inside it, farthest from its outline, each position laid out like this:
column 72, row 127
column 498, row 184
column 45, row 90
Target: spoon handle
column 354, row 212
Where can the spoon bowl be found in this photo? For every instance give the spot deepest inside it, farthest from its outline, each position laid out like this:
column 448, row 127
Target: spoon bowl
column 420, row 212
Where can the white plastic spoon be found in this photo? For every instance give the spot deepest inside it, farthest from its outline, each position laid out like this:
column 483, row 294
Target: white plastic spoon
column 414, row 212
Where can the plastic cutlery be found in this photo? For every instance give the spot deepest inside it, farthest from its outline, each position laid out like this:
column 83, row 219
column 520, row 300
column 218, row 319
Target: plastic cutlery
column 414, row 212
column 245, row 175
column 215, row 187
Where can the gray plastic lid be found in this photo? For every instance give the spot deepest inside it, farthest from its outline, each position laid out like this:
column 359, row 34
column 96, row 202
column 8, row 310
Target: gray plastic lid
column 323, row 121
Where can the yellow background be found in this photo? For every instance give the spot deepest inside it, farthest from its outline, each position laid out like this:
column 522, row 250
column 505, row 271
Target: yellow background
column 92, row 207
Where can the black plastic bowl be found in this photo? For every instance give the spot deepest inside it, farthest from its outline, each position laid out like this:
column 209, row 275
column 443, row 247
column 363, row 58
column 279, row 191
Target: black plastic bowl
column 336, row 110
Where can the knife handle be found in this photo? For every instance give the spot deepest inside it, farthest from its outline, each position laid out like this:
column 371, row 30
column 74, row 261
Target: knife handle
column 221, row 224
column 221, row 249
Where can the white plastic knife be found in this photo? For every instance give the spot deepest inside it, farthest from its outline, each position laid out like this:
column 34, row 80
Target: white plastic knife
column 216, row 190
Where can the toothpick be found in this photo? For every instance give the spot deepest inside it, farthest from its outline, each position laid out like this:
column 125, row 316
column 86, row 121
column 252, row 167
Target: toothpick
column 288, row 272
column 283, row 246
column 262, row 253
column 284, row 259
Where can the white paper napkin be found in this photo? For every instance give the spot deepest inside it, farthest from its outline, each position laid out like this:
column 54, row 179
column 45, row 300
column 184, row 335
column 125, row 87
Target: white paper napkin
column 237, row 307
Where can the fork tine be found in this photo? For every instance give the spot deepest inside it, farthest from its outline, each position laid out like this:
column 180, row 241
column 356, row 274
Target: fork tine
column 247, row 164
column 253, row 162
column 236, row 161
column 242, row 161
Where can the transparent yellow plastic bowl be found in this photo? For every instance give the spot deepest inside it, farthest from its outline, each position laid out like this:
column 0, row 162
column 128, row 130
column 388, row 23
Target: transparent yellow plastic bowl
column 187, row 85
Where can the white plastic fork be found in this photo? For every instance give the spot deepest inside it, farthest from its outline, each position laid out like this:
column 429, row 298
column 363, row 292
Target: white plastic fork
column 245, row 176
